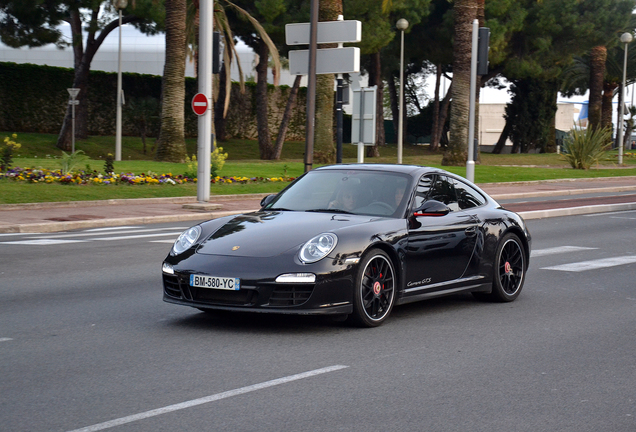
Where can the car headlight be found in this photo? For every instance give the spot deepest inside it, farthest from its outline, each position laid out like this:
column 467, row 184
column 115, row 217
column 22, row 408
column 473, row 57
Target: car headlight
column 318, row 247
column 186, row 240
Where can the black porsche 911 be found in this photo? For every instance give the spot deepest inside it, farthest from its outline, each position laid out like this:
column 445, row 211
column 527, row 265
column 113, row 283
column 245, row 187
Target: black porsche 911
column 353, row 240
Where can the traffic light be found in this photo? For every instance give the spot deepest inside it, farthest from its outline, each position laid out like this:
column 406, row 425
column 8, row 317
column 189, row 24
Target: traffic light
column 482, row 51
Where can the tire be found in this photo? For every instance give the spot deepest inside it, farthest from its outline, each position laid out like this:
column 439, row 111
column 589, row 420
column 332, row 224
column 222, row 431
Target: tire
column 509, row 269
column 375, row 289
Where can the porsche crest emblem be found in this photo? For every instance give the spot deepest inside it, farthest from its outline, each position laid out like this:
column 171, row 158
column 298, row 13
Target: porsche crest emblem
column 235, row 248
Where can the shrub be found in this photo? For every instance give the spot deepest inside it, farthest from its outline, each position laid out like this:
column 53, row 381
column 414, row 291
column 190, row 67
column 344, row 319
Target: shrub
column 70, row 161
column 586, row 147
column 8, row 147
column 217, row 160
column 108, row 164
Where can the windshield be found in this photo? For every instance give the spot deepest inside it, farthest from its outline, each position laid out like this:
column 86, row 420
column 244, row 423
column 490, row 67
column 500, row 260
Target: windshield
column 353, row 191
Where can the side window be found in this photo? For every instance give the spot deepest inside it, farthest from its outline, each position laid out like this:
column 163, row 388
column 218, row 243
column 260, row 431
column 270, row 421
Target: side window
column 423, row 189
column 467, row 196
column 444, row 191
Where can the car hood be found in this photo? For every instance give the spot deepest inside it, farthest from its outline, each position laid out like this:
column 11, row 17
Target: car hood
column 271, row 233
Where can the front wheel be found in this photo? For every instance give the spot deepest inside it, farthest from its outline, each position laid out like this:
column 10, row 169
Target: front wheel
column 510, row 269
column 375, row 287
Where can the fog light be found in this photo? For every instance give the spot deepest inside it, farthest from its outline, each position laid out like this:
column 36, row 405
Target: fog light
column 296, row 278
column 167, row 268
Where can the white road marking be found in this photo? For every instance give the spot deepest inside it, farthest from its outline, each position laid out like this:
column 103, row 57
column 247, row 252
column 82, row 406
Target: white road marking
column 558, row 250
column 207, row 399
column 111, row 228
column 137, row 236
column 162, row 241
column 605, row 214
column 136, row 231
column 5, row 339
column 594, row 264
column 43, row 242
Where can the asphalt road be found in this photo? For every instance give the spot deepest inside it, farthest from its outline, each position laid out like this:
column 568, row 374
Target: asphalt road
column 87, row 344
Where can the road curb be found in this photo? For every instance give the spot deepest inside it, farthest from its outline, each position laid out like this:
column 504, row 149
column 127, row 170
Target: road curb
column 133, row 201
column 51, row 227
column 574, row 211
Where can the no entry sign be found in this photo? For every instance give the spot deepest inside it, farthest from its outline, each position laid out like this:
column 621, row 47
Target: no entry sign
column 199, row 104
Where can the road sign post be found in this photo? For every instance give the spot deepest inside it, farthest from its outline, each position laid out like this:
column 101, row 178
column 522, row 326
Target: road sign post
column 321, row 61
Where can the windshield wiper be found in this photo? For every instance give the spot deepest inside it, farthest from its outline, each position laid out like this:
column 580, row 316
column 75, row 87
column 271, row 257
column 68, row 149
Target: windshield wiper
column 331, row 210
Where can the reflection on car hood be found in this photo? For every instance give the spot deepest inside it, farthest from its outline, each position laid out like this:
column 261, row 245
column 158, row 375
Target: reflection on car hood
column 266, row 234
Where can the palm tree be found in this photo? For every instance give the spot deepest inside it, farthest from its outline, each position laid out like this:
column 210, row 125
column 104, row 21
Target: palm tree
column 171, row 142
column 323, row 136
column 598, row 57
column 465, row 12
column 180, row 30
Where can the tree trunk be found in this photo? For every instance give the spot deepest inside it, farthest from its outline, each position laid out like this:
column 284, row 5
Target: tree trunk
column 219, row 118
column 375, row 79
column 598, row 57
column 607, row 106
column 465, row 12
column 501, row 142
column 443, row 115
column 264, row 140
column 82, row 64
column 171, row 142
column 435, row 128
column 394, row 100
column 324, row 148
column 620, row 124
column 284, row 124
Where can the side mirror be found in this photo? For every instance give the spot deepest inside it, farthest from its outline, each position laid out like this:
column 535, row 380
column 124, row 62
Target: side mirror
column 268, row 199
column 432, row 208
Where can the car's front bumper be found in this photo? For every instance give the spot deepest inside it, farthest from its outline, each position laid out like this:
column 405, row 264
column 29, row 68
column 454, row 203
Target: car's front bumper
column 331, row 293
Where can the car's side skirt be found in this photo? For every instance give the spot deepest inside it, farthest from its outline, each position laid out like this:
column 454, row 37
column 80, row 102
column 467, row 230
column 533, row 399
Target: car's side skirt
column 475, row 287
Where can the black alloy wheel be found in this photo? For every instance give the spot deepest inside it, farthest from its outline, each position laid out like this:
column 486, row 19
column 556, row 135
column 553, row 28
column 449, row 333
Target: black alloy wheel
column 375, row 289
column 510, row 269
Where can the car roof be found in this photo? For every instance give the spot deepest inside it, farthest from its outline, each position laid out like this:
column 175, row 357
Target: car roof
column 406, row 169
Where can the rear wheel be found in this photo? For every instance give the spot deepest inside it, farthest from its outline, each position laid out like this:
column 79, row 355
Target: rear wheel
column 510, row 269
column 375, row 287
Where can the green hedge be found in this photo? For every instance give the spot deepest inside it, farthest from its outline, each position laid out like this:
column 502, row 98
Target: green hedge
column 34, row 99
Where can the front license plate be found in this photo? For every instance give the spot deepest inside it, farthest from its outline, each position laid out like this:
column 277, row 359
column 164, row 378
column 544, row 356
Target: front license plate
column 213, row 282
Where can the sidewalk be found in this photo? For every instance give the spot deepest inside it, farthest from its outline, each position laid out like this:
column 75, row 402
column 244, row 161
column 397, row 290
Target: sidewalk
column 54, row 217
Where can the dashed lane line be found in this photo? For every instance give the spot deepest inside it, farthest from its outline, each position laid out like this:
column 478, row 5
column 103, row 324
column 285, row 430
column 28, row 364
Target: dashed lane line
column 558, row 250
column 41, row 242
column 207, row 399
column 593, row 264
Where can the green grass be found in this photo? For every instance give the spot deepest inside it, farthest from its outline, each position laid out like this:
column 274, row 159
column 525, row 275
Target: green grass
column 39, row 151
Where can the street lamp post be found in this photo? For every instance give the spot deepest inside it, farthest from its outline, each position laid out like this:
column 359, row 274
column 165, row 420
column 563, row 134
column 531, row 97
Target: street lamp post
column 626, row 38
column 401, row 25
column 119, row 5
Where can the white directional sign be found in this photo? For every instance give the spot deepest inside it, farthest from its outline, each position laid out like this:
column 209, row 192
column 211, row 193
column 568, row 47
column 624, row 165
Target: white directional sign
column 328, row 32
column 328, row 61
column 363, row 118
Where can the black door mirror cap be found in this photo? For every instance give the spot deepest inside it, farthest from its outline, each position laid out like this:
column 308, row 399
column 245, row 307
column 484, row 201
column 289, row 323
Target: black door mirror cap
column 432, row 208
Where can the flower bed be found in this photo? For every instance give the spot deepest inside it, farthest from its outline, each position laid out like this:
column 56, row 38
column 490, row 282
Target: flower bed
column 33, row 175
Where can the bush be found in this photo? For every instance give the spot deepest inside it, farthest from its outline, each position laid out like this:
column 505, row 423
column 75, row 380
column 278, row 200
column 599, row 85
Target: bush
column 70, row 161
column 217, row 160
column 586, row 147
column 8, row 147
